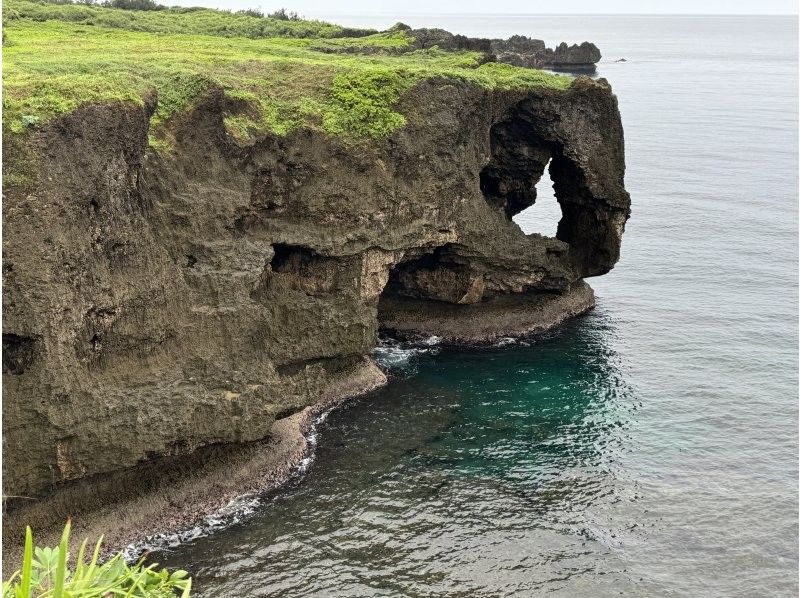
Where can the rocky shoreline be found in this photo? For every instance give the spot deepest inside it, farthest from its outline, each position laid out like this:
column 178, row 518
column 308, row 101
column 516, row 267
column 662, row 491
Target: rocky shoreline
column 205, row 293
column 140, row 507
column 486, row 322
column 172, row 500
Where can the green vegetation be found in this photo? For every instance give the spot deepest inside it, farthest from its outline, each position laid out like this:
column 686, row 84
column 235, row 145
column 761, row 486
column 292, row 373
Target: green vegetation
column 281, row 14
column 45, row 574
column 56, row 58
column 198, row 21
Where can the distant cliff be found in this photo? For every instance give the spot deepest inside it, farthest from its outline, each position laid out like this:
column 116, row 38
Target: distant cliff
column 532, row 53
column 517, row 50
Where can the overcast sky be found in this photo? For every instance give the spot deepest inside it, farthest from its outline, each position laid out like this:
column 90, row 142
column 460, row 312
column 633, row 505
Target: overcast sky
column 319, row 8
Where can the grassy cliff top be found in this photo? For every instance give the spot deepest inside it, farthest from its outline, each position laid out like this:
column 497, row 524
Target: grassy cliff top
column 59, row 57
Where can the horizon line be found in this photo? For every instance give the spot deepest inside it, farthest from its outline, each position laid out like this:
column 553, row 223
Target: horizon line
column 573, row 14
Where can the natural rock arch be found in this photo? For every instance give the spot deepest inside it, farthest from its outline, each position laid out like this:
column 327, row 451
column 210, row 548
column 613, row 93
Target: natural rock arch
column 587, row 171
column 212, row 290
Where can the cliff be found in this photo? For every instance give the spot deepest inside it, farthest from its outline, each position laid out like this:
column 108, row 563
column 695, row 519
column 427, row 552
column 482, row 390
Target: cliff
column 532, row 53
column 517, row 50
column 180, row 281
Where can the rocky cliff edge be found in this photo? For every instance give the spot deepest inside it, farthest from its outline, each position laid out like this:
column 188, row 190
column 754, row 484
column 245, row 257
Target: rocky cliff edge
column 158, row 302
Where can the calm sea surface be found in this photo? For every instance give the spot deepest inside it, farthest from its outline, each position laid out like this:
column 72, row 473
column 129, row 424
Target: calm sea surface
column 648, row 449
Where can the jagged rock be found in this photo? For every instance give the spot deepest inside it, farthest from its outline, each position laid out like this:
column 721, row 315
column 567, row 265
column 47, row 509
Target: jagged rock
column 532, row 53
column 518, row 50
column 427, row 38
column 158, row 303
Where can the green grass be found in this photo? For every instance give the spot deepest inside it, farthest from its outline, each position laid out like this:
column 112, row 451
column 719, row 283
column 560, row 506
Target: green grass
column 198, row 21
column 46, row 573
column 54, row 66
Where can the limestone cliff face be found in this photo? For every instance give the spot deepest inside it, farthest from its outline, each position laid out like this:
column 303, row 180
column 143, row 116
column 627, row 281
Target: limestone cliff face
column 156, row 303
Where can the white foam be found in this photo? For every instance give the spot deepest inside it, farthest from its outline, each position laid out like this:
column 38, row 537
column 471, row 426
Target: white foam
column 234, row 512
column 392, row 354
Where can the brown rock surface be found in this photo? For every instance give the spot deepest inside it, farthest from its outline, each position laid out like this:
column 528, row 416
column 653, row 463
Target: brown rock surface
column 159, row 303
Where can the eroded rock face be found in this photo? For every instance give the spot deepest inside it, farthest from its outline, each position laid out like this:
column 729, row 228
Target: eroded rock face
column 158, row 303
column 532, row 53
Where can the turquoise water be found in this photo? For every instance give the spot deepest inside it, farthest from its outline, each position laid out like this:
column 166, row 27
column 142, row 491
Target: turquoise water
column 647, row 449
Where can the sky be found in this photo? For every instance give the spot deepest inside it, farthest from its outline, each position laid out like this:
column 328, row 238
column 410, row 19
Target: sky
column 319, row 8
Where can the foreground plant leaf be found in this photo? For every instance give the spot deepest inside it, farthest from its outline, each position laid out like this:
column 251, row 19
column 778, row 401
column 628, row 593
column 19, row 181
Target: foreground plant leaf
column 48, row 575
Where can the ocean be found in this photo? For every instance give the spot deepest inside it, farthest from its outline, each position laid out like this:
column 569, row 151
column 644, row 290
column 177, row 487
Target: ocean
column 649, row 448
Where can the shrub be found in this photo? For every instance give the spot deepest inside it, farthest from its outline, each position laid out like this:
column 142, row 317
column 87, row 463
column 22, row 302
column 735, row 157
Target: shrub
column 251, row 12
column 147, row 15
column 45, row 573
column 362, row 104
column 283, row 15
column 134, row 4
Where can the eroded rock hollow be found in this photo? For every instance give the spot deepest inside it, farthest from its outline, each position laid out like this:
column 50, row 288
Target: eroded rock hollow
column 159, row 302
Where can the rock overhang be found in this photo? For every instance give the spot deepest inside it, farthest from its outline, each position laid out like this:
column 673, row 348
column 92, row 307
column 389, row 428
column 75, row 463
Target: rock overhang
column 219, row 284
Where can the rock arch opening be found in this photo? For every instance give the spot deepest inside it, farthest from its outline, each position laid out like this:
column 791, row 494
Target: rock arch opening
column 591, row 199
column 541, row 217
column 519, row 177
column 518, row 161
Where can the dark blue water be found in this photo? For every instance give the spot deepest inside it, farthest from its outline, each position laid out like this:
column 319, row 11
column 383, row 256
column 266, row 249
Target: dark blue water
column 648, row 449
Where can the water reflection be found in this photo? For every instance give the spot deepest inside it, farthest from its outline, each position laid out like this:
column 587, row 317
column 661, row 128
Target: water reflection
column 472, row 473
